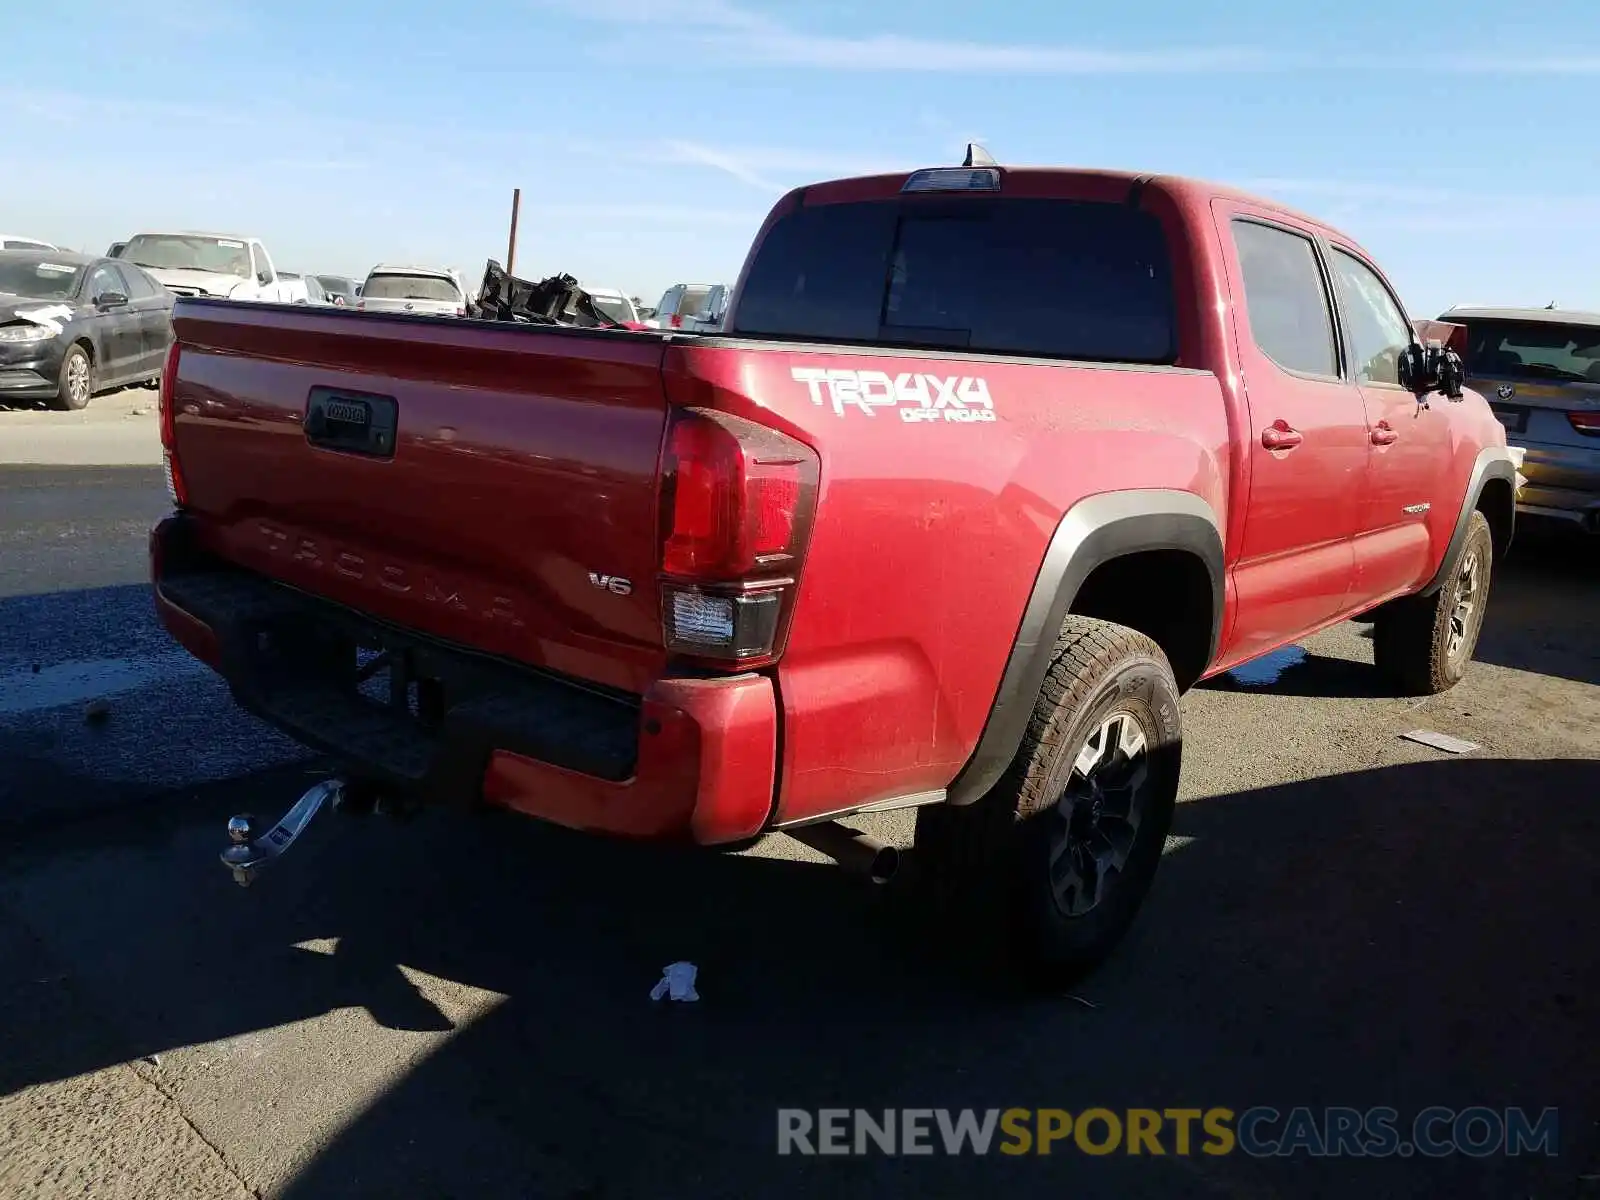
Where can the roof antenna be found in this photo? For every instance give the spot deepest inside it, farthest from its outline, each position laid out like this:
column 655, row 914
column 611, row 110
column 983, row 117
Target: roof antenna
column 1549, row 306
column 977, row 156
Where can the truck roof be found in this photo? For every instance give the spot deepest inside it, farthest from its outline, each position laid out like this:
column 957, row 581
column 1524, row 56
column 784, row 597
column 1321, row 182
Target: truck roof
column 1549, row 316
column 1045, row 181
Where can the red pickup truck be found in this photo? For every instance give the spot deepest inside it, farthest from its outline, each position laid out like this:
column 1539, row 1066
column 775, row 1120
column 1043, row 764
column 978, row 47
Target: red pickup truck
column 986, row 467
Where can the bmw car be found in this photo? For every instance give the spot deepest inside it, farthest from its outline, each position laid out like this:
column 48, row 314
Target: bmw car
column 73, row 325
column 1539, row 368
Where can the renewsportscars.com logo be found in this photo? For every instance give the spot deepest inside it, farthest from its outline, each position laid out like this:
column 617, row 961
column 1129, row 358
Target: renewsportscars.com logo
column 1260, row 1132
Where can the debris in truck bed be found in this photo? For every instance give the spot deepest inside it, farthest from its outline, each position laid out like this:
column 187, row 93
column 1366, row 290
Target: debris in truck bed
column 556, row 300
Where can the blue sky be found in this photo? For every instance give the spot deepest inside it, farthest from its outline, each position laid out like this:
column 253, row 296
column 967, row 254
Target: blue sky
column 650, row 137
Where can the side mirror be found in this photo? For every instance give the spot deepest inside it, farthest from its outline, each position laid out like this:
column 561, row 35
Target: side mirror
column 1424, row 369
column 264, row 278
column 109, row 299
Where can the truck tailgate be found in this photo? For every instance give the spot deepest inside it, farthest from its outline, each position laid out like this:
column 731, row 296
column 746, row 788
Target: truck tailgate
column 492, row 486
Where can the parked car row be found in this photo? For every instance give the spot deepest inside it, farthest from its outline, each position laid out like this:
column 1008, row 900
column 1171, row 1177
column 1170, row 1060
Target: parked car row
column 133, row 286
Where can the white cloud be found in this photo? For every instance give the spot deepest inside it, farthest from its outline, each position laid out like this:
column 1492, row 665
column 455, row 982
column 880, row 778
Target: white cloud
column 1349, row 189
column 739, row 36
column 729, row 164
column 769, row 169
column 892, row 52
column 1572, row 64
column 1424, row 209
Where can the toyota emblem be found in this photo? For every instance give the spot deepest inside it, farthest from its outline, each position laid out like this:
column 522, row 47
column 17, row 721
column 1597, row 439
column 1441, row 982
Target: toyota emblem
column 1505, row 391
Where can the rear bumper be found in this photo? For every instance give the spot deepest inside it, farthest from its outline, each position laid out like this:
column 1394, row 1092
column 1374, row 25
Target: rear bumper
column 1563, row 484
column 691, row 759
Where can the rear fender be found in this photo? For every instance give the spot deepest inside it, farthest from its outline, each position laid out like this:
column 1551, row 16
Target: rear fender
column 1093, row 532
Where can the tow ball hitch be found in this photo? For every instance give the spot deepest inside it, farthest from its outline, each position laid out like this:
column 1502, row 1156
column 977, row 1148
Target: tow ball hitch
column 248, row 855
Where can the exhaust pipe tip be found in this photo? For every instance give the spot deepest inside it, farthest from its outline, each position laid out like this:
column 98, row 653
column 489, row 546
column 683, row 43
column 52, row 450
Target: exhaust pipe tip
column 857, row 852
column 885, row 864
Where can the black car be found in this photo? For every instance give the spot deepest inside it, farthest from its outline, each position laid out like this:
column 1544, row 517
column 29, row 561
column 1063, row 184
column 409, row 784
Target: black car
column 340, row 290
column 72, row 325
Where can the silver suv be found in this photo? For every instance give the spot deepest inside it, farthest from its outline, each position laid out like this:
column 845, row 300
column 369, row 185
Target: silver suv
column 1539, row 368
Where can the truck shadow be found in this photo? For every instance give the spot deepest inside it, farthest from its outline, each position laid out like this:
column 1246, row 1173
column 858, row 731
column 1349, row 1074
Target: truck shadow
column 1540, row 619
column 1414, row 935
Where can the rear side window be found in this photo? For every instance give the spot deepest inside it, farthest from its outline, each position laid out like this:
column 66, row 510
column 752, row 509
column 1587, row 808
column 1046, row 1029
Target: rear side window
column 1285, row 298
column 1044, row 278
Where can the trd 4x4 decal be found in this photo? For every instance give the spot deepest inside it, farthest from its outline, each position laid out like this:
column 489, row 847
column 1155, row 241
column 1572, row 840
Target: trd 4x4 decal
column 917, row 397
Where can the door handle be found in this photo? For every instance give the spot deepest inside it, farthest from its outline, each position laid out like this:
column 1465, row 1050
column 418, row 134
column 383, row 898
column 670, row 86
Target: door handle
column 1382, row 435
column 1280, row 436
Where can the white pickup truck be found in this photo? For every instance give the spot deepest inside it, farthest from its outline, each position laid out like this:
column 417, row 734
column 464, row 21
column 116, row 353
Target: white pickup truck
column 210, row 264
column 691, row 307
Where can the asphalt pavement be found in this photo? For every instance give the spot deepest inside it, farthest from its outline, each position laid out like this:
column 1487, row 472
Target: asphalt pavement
column 77, row 628
column 458, row 1006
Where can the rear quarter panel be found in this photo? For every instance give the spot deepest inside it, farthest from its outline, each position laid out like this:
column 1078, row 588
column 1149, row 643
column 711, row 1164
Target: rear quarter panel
column 930, row 534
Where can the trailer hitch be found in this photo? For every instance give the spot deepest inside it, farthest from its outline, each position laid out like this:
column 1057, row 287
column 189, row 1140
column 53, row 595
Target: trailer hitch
column 247, row 855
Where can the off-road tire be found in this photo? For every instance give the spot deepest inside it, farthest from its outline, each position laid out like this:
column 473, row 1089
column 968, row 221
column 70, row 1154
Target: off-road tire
column 68, row 396
column 1412, row 638
column 988, row 863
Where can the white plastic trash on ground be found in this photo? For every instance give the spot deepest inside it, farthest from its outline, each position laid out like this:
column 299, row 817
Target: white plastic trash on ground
column 1440, row 741
column 677, row 983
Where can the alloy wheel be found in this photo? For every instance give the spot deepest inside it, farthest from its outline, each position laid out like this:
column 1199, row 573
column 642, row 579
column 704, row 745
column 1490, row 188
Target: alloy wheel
column 1098, row 814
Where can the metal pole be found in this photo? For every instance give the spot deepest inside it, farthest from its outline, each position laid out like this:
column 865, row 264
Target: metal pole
column 511, row 250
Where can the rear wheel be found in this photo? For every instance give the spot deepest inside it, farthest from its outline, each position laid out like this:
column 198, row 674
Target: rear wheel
column 76, row 383
column 1062, row 852
column 1424, row 643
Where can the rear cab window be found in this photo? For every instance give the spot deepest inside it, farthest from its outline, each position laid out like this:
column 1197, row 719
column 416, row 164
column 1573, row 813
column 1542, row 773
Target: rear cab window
column 1083, row 280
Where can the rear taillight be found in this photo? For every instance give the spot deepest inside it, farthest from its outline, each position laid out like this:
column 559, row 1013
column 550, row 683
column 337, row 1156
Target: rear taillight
column 675, row 321
column 737, row 500
column 167, row 405
column 1587, row 423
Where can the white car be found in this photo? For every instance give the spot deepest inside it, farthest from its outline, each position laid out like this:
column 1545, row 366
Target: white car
column 303, row 289
column 209, row 264
column 616, row 305
column 10, row 241
column 423, row 291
